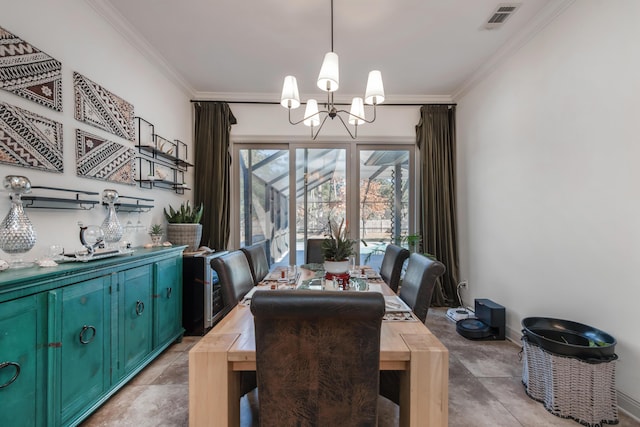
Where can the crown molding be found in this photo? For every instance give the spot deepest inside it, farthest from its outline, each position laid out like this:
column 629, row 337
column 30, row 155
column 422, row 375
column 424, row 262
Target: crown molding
column 300, row 139
column 541, row 20
column 343, row 99
column 237, row 97
column 127, row 31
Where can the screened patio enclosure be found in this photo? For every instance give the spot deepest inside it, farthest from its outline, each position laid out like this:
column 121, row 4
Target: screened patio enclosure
column 269, row 214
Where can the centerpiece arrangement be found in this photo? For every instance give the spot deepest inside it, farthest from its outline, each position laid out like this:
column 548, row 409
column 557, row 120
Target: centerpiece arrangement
column 336, row 249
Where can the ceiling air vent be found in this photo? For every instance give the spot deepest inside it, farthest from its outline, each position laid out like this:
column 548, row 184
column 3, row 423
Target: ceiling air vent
column 501, row 14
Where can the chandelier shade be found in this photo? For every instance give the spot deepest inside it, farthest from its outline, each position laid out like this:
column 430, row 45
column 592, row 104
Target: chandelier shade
column 375, row 89
column 329, row 82
column 290, row 96
column 356, row 115
column 311, row 112
column 329, row 77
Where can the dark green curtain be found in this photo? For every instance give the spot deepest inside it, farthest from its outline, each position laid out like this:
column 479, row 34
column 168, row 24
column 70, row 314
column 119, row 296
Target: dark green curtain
column 436, row 139
column 212, row 165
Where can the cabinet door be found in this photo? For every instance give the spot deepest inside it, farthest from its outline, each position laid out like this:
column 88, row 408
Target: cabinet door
column 168, row 299
column 84, row 350
column 136, row 311
column 22, row 361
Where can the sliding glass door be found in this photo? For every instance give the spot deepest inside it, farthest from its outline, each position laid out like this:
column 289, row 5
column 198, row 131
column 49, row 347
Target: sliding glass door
column 384, row 201
column 321, row 190
column 263, row 182
column 369, row 187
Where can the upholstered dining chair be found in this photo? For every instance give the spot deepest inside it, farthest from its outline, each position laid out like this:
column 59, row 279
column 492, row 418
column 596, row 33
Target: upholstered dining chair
column 313, row 251
column 416, row 290
column 234, row 273
column 418, row 283
column 317, row 357
column 391, row 268
column 258, row 262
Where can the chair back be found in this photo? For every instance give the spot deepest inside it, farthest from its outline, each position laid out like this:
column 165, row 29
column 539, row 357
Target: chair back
column 313, row 252
column 317, row 357
column 418, row 283
column 235, row 276
column 391, row 268
column 258, row 262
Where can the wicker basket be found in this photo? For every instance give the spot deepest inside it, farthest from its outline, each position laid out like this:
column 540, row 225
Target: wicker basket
column 569, row 387
column 185, row 234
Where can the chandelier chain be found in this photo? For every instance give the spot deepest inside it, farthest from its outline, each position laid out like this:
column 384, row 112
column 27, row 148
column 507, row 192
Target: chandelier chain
column 328, row 81
column 332, row 26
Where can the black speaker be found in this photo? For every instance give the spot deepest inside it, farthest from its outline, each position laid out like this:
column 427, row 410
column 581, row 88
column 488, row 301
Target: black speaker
column 489, row 323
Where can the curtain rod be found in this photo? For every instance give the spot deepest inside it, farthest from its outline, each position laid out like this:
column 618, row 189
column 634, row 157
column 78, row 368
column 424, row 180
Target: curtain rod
column 337, row 103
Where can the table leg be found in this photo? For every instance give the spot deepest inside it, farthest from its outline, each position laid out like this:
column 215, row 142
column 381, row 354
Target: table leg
column 424, row 387
column 210, row 402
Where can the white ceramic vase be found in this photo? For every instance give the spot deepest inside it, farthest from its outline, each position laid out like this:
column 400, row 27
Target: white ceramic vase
column 336, row 267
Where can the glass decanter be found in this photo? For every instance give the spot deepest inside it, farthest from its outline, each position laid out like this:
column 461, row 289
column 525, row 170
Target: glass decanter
column 111, row 225
column 17, row 235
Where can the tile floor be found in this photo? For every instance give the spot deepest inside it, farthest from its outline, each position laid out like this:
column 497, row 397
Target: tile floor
column 485, row 389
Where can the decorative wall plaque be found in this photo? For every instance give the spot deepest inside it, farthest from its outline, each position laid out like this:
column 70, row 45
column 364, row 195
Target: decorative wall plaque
column 100, row 108
column 30, row 140
column 102, row 159
column 29, row 72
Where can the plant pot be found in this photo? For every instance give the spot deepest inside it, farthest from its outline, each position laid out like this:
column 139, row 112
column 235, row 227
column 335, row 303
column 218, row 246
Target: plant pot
column 185, row 234
column 336, row 267
column 156, row 239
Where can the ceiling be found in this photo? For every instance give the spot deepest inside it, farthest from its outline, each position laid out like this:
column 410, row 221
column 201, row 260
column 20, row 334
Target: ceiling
column 427, row 50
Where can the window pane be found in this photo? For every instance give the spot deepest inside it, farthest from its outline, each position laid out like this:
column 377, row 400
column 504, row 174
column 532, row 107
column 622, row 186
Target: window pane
column 320, row 193
column 384, row 202
column 320, row 181
column 264, row 200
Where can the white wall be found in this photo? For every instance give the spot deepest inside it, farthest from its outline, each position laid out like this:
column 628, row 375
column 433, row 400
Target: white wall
column 270, row 123
column 73, row 33
column 549, row 179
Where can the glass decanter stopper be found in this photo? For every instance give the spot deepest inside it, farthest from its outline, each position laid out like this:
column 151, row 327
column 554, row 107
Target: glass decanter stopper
column 111, row 225
column 17, row 235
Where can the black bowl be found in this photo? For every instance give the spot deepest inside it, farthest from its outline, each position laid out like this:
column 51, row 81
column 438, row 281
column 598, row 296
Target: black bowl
column 567, row 338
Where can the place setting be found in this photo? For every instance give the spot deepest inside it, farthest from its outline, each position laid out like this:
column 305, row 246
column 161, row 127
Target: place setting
column 396, row 309
column 359, row 279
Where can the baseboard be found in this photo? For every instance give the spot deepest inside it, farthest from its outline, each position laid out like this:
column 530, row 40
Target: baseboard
column 626, row 404
column 629, row 406
column 513, row 335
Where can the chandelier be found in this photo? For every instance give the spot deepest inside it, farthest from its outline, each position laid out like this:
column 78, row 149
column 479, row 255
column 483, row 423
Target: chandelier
column 328, row 81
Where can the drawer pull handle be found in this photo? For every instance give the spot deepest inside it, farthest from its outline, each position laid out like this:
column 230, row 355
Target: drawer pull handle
column 169, row 292
column 15, row 376
column 86, row 328
column 139, row 308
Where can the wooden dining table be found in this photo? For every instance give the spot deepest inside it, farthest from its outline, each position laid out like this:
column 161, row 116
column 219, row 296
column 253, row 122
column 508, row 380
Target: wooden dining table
column 217, row 360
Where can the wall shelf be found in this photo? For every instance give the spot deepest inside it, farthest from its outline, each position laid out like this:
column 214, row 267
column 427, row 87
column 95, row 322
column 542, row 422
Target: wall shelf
column 56, row 202
column 138, row 204
column 162, row 163
column 166, row 157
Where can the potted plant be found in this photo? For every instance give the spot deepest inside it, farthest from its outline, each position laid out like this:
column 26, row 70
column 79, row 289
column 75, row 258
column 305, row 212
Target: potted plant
column 184, row 226
column 156, row 231
column 413, row 241
column 337, row 248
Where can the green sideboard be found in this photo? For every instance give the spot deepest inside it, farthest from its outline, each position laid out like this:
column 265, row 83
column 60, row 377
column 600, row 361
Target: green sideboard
column 72, row 335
